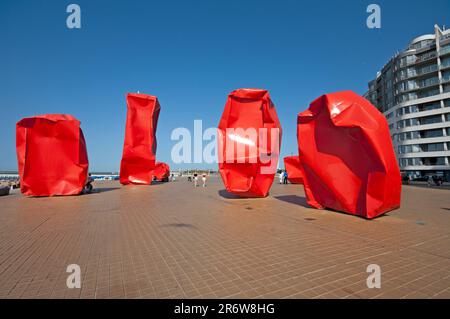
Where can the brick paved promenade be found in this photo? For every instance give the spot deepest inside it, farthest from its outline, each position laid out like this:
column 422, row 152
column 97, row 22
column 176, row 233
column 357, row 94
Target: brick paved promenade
column 174, row 241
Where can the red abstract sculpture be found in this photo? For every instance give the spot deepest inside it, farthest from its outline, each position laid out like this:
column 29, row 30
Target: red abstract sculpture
column 138, row 158
column 347, row 158
column 249, row 139
column 161, row 172
column 51, row 155
column 292, row 166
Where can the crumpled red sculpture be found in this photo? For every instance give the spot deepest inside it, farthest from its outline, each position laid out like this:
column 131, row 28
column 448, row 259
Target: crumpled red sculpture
column 139, row 150
column 249, row 139
column 347, row 158
column 51, row 155
column 292, row 166
column 161, row 172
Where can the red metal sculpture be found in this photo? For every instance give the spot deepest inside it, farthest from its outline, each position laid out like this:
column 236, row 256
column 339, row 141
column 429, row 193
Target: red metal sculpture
column 346, row 155
column 52, row 155
column 139, row 150
column 292, row 166
column 249, row 139
column 161, row 172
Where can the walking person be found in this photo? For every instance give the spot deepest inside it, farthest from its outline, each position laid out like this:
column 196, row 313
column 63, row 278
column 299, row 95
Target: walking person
column 195, row 179
column 285, row 178
column 204, row 179
column 281, row 177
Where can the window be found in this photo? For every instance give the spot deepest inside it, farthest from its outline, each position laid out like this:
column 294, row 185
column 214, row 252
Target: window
column 430, row 106
column 431, row 161
column 431, row 119
column 427, row 93
column 446, row 76
column 445, row 62
column 433, row 147
column 431, row 133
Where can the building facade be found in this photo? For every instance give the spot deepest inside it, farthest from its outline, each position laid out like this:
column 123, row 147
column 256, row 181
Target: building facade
column 413, row 92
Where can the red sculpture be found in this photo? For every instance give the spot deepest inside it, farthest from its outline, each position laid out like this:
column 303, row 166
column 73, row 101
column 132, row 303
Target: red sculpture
column 292, row 166
column 249, row 139
column 51, row 155
column 347, row 158
column 161, row 172
column 139, row 150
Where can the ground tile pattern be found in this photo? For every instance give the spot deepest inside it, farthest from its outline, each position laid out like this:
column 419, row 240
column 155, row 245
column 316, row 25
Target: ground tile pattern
column 175, row 241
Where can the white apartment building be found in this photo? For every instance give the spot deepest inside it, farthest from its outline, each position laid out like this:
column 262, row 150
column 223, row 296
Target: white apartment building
column 413, row 92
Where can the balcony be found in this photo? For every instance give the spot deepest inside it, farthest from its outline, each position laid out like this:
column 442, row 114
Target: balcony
column 419, row 59
column 419, row 86
column 418, row 73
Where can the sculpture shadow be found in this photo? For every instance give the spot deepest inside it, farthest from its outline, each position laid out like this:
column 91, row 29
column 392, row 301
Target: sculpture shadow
column 293, row 199
column 103, row 190
column 224, row 194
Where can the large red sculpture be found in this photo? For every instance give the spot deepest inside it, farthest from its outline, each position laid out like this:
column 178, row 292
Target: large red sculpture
column 347, row 157
column 249, row 139
column 161, row 172
column 139, row 150
column 292, row 166
column 51, row 155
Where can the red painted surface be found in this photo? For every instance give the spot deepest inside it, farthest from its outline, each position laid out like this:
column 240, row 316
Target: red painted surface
column 139, row 150
column 292, row 166
column 248, row 173
column 346, row 155
column 52, row 155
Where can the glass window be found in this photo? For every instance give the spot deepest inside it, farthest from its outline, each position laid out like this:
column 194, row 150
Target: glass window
column 414, row 108
column 445, row 62
column 415, row 149
column 431, row 119
column 431, row 133
column 434, row 147
column 434, row 161
column 446, row 76
column 430, row 106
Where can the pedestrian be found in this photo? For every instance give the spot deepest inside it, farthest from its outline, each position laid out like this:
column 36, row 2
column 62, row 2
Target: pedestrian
column 429, row 181
column 285, row 178
column 195, row 179
column 281, row 177
column 204, row 179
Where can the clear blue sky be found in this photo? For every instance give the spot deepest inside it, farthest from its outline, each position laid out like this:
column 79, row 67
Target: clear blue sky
column 190, row 54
